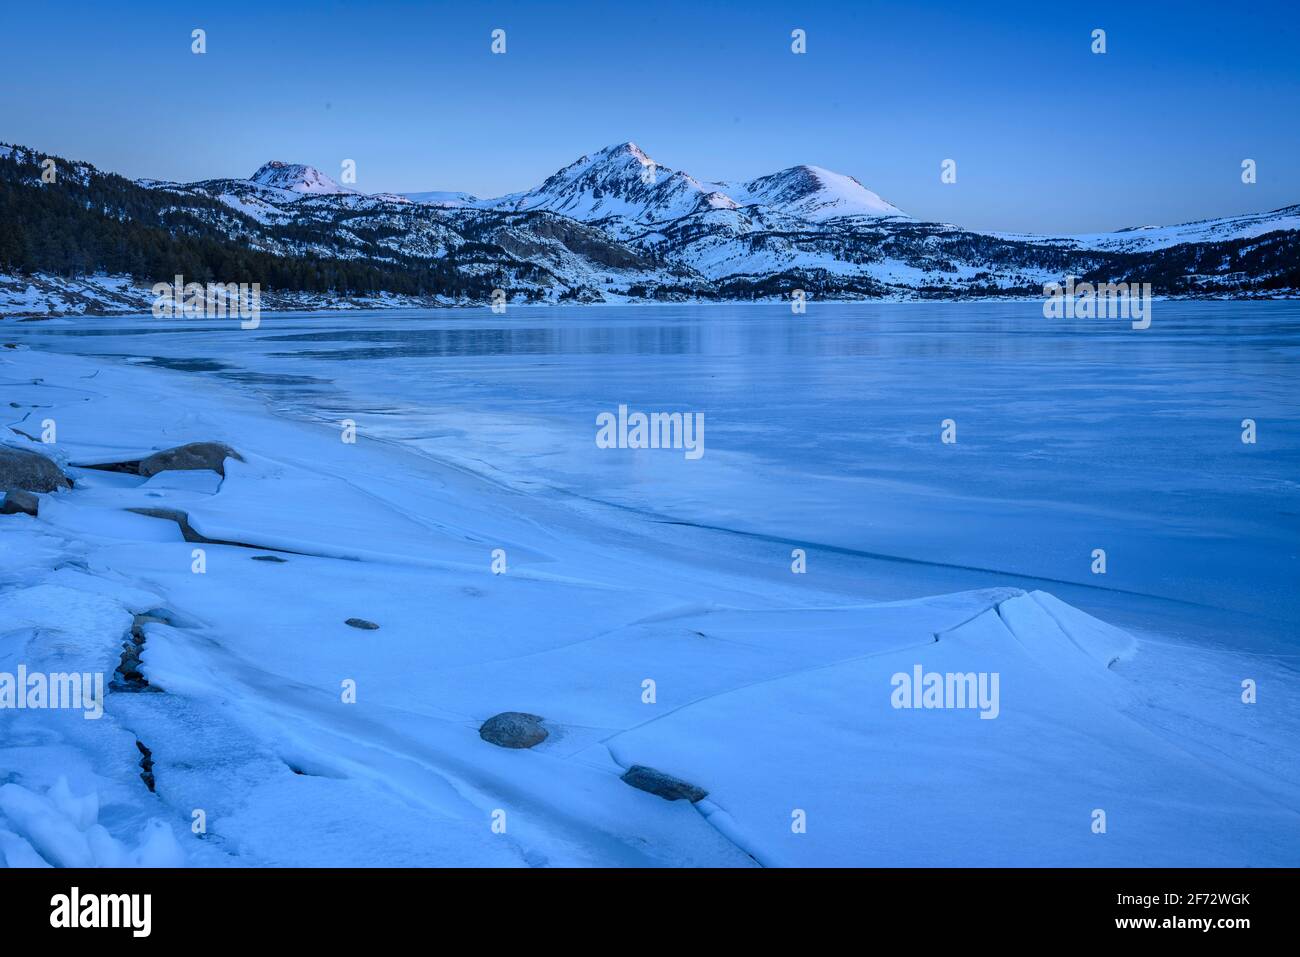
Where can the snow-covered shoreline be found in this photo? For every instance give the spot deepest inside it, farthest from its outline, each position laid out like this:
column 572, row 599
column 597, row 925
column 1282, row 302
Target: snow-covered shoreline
column 772, row 695
column 44, row 297
column 47, row 297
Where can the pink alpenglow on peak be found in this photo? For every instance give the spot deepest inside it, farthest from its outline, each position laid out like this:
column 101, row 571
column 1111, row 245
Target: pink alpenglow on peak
column 623, row 183
column 296, row 178
column 813, row 193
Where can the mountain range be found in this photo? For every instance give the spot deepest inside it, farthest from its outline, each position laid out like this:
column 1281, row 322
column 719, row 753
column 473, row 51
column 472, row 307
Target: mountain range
column 615, row 225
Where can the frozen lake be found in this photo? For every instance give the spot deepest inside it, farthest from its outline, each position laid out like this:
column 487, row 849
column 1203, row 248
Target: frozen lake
column 648, row 613
column 822, row 431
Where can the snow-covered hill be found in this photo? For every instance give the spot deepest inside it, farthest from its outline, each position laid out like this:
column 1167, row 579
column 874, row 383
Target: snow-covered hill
column 812, row 193
column 1147, row 238
column 296, row 178
column 443, row 198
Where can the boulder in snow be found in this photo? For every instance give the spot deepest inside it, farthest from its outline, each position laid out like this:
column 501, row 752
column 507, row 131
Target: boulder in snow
column 16, row 500
column 22, row 469
column 665, row 785
column 190, row 457
column 513, row 729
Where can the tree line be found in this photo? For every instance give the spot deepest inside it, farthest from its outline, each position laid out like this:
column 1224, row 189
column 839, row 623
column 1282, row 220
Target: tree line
column 105, row 223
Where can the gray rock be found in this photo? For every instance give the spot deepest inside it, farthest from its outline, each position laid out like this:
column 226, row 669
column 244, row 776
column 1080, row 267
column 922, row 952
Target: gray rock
column 513, row 729
column 146, row 766
column 362, row 624
column 664, row 785
column 32, row 471
column 188, row 458
column 16, row 500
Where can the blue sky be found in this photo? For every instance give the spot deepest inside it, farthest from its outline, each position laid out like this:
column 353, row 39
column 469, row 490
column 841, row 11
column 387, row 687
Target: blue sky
column 1047, row 135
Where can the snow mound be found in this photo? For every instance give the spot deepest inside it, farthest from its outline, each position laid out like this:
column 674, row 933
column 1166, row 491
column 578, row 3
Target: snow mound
column 60, row 829
column 819, row 766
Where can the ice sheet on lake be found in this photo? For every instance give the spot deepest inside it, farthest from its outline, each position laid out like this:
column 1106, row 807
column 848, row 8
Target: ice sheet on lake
column 771, row 694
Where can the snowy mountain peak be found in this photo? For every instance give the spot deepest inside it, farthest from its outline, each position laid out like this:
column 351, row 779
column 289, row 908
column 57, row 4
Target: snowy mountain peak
column 296, row 178
column 619, row 181
column 814, row 193
column 717, row 200
column 619, row 158
column 623, row 188
column 628, row 149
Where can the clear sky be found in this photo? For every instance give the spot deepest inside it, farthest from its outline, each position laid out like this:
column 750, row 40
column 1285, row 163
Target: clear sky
column 1047, row 135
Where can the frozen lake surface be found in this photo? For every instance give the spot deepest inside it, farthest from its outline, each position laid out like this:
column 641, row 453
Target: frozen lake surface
column 823, row 431
column 648, row 613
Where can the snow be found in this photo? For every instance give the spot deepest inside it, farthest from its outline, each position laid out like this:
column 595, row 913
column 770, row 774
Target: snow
column 1145, row 238
column 814, row 194
column 296, row 178
column 254, row 206
column 61, row 830
column 609, row 187
column 876, row 782
column 773, row 691
column 47, row 296
column 443, row 198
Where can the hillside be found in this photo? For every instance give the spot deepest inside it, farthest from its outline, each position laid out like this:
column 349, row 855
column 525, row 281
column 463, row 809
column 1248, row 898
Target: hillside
column 611, row 226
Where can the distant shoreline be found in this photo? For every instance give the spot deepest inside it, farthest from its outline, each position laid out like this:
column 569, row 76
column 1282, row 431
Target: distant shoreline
column 104, row 295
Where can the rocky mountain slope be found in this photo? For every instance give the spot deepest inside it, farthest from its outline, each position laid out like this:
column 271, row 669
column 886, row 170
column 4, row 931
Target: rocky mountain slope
column 611, row 226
